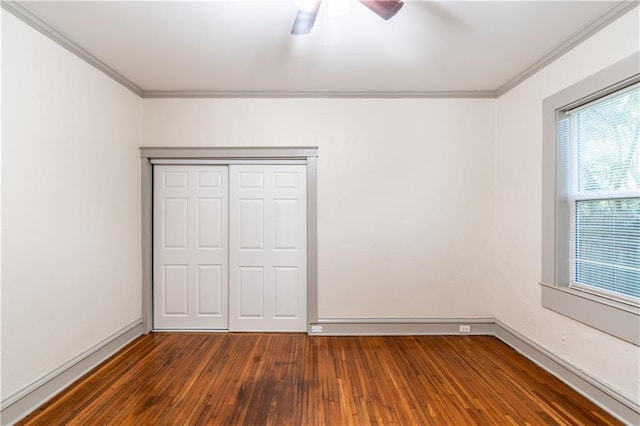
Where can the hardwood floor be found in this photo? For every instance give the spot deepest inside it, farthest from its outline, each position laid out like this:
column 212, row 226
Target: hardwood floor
column 293, row 379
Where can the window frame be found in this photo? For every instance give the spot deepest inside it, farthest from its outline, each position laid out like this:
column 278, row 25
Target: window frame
column 576, row 196
column 604, row 313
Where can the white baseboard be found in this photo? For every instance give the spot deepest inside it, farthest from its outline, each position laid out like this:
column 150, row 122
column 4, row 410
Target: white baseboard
column 402, row 326
column 593, row 389
column 26, row 400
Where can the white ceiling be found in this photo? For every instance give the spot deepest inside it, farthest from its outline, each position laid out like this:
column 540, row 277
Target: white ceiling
column 246, row 46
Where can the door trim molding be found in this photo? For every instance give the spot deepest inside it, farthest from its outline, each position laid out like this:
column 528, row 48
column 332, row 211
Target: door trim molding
column 307, row 153
column 230, row 153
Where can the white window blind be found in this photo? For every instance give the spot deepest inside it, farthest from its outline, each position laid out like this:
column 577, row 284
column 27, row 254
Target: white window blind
column 602, row 140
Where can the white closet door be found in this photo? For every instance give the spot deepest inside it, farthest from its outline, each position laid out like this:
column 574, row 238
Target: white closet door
column 190, row 232
column 267, row 248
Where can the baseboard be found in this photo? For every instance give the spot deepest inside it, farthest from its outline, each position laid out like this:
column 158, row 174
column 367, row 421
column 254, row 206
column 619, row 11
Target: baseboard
column 591, row 388
column 188, row 330
column 401, row 326
column 23, row 402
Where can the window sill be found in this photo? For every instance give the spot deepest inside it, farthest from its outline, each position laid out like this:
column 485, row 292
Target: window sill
column 616, row 318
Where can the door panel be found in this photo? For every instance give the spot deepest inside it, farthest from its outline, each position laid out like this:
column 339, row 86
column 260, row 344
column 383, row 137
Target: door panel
column 175, row 289
column 268, row 240
column 175, row 223
column 210, row 223
column 286, row 224
column 251, row 283
column 190, row 247
column 210, row 290
column 286, row 291
column 251, row 224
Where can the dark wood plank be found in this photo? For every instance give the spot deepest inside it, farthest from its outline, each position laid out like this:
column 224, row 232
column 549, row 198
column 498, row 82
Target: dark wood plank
column 294, row 379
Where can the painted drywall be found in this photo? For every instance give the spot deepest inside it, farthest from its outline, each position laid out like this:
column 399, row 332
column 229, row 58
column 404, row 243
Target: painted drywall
column 1, row 103
column 517, row 260
column 71, row 206
column 404, row 192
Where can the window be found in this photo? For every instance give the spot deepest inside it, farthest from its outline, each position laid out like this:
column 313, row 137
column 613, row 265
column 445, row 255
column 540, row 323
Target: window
column 603, row 143
column 591, row 201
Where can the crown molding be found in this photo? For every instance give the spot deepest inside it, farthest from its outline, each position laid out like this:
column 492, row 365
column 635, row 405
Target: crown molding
column 610, row 16
column 13, row 7
column 38, row 24
column 187, row 94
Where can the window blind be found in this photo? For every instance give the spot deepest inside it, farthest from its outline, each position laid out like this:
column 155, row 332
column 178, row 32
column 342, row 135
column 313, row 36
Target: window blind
column 604, row 194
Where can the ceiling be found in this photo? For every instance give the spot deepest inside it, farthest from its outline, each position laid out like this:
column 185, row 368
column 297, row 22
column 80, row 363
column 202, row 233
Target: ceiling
column 245, row 47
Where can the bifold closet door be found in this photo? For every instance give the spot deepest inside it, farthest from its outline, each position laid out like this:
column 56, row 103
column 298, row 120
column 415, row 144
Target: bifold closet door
column 267, row 248
column 190, row 232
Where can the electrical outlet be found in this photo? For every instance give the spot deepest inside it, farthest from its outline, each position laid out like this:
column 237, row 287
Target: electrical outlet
column 465, row 329
column 316, row 329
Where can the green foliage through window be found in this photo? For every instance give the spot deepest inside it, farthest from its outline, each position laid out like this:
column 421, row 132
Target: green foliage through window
column 605, row 194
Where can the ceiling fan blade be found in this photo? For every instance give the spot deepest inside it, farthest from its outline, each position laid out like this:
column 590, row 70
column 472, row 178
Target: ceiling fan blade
column 386, row 9
column 305, row 19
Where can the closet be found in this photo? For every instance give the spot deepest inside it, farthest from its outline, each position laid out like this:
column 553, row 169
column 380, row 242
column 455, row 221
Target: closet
column 230, row 247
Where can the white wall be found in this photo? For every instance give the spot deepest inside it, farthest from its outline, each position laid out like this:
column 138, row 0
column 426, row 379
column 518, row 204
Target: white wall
column 71, row 206
column 404, row 192
column 1, row 394
column 518, row 215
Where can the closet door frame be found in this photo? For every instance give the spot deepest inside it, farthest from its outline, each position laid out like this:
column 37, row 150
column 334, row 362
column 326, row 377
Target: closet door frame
column 222, row 156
